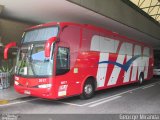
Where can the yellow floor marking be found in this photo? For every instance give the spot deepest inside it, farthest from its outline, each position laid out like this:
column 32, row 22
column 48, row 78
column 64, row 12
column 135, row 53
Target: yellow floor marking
column 2, row 102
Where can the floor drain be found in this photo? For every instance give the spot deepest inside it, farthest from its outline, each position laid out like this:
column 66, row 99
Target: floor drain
column 3, row 102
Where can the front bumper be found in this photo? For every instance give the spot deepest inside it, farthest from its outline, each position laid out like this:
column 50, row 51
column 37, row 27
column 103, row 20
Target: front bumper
column 36, row 92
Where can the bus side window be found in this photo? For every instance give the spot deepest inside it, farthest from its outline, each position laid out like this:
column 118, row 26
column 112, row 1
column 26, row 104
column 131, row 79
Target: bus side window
column 63, row 61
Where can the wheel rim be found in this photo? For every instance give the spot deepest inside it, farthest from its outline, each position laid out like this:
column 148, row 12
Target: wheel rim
column 141, row 79
column 88, row 89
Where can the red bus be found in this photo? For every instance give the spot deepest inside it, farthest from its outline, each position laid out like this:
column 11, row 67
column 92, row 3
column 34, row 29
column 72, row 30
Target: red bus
column 62, row 59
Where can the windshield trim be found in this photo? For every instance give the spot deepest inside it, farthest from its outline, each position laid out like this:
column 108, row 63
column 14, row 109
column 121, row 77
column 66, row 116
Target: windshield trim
column 22, row 39
column 29, row 43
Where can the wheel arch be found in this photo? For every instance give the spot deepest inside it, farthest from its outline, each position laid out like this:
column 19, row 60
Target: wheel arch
column 141, row 73
column 89, row 78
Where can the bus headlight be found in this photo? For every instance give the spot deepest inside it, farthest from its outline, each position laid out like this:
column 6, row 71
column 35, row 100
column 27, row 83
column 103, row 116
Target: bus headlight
column 16, row 83
column 45, row 86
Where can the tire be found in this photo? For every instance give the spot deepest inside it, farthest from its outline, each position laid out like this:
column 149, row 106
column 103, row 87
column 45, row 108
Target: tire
column 88, row 90
column 141, row 79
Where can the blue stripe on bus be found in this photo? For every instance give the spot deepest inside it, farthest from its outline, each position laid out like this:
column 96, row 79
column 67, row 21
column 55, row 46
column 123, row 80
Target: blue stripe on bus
column 125, row 66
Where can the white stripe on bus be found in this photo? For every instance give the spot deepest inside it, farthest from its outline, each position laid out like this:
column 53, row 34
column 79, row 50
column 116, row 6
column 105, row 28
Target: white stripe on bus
column 116, row 71
column 128, row 73
column 102, row 70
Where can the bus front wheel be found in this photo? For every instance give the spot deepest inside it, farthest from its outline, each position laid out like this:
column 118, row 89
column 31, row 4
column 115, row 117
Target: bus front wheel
column 88, row 90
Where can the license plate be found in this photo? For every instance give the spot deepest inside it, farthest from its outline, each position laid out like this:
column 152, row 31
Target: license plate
column 27, row 92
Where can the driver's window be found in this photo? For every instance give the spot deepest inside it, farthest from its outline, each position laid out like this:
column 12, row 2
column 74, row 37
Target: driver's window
column 62, row 65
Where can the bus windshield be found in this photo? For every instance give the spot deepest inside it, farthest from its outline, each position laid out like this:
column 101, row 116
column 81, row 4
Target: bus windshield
column 31, row 61
column 41, row 34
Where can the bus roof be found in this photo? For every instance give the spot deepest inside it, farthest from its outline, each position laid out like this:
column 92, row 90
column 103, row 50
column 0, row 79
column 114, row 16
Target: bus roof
column 88, row 26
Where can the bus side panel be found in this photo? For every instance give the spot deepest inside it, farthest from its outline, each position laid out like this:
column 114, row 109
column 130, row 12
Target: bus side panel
column 113, row 75
column 87, row 65
column 148, row 71
column 151, row 64
column 107, row 73
column 70, row 36
column 97, row 57
column 88, row 59
column 83, row 62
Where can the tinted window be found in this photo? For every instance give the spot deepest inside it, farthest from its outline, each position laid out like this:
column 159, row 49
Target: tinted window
column 104, row 44
column 146, row 52
column 62, row 65
column 137, row 50
column 126, row 49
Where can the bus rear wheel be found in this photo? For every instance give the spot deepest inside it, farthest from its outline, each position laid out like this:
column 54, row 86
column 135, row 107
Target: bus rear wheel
column 141, row 79
column 88, row 90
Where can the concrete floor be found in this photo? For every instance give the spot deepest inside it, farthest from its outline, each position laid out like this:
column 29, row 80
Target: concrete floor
column 10, row 94
column 130, row 99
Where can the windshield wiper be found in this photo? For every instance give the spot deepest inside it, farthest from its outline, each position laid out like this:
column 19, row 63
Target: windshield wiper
column 30, row 60
column 21, row 65
column 26, row 60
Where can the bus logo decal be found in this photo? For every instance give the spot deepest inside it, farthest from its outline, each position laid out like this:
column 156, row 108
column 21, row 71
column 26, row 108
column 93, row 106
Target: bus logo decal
column 126, row 66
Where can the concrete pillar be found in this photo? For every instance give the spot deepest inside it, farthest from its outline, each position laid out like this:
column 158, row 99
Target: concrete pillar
column 11, row 30
column 1, row 8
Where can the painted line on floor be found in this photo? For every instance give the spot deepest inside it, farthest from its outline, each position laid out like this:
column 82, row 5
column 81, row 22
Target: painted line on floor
column 2, row 102
column 18, row 102
column 147, row 87
column 119, row 94
column 68, row 103
column 109, row 97
column 81, row 105
column 107, row 100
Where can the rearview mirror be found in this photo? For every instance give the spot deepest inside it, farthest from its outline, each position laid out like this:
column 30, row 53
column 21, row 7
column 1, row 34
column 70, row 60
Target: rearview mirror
column 7, row 47
column 48, row 46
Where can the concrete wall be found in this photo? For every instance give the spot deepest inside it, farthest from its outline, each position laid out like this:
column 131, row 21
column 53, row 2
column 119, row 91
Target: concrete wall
column 121, row 12
column 11, row 30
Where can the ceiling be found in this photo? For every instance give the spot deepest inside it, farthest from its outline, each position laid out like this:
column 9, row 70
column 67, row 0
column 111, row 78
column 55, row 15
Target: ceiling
column 151, row 7
column 61, row 10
